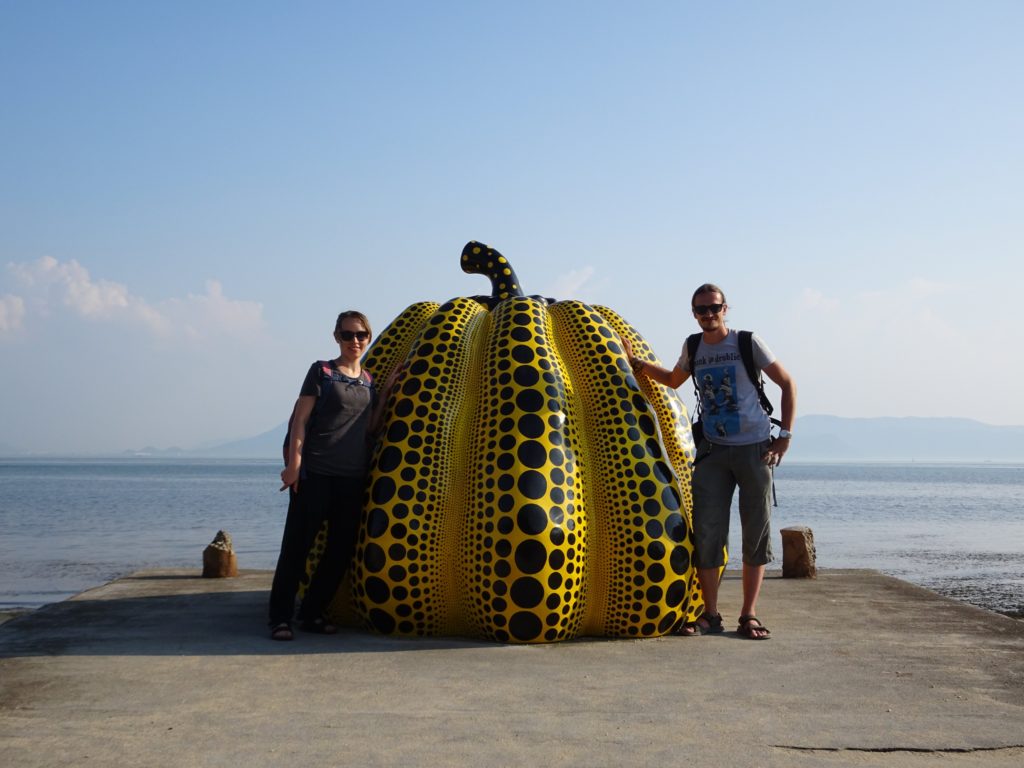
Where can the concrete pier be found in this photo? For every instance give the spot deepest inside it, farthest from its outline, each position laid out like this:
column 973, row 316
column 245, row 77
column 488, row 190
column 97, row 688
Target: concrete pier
column 165, row 668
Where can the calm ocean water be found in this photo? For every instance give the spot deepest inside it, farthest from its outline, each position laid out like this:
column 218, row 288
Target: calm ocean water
column 70, row 525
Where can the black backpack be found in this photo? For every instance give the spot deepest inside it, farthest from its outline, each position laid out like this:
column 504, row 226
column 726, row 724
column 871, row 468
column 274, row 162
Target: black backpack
column 747, row 355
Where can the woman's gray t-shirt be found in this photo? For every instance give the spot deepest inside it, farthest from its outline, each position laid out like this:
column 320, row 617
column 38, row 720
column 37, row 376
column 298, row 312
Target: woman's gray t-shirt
column 335, row 442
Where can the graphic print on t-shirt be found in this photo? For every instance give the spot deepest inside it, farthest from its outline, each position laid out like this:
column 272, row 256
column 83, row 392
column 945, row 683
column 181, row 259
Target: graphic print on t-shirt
column 717, row 387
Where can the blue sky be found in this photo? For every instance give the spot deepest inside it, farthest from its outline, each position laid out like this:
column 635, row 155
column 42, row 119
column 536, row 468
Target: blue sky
column 191, row 191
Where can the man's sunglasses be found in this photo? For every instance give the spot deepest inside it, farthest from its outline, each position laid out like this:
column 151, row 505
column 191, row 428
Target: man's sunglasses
column 349, row 335
column 703, row 309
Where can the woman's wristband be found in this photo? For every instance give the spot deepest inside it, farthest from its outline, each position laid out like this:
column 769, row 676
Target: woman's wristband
column 636, row 365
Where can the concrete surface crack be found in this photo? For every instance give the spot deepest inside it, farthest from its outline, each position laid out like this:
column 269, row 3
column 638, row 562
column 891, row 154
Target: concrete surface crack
column 924, row 750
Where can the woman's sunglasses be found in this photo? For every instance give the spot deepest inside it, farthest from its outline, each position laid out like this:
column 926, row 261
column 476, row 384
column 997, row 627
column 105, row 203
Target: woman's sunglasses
column 349, row 335
column 703, row 309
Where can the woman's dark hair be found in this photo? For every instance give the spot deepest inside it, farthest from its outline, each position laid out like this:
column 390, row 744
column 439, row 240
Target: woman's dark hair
column 351, row 313
column 706, row 288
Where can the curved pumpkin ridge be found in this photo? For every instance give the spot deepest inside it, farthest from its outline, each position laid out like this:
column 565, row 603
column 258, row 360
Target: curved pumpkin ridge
column 392, row 346
column 647, row 548
column 525, row 532
column 404, row 583
column 674, row 423
column 673, row 418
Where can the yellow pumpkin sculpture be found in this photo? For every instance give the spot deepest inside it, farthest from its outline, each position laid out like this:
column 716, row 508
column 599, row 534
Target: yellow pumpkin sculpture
column 525, row 487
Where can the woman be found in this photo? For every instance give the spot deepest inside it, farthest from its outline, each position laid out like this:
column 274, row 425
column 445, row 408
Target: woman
column 325, row 468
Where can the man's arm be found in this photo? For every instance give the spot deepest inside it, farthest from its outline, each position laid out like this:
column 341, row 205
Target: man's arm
column 781, row 376
column 673, row 378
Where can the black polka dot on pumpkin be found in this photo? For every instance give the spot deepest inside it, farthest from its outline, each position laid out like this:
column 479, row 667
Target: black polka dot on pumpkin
column 525, row 626
column 390, row 458
column 530, row 401
column 397, row 431
column 670, row 498
column 377, row 523
column 679, row 561
column 532, row 519
column 532, row 484
column 675, row 527
column 373, row 557
column 676, row 592
column 531, row 426
column 522, row 354
column 526, row 376
column 377, row 590
column 526, row 592
column 532, row 454
column 383, row 490
column 530, row 556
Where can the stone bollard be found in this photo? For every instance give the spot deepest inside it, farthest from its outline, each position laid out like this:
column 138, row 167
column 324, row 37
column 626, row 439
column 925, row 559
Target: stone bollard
column 798, row 554
column 219, row 559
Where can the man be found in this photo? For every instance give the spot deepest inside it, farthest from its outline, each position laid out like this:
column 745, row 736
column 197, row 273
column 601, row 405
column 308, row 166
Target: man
column 737, row 450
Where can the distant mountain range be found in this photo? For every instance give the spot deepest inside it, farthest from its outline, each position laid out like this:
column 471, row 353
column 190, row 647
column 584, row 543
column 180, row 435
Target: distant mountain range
column 816, row 438
column 819, row 438
column 833, row 438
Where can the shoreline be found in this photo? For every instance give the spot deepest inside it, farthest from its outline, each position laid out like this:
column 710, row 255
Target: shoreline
column 7, row 614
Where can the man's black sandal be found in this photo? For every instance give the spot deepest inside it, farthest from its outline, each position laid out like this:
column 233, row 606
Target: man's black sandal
column 748, row 627
column 282, row 631
column 694, row 629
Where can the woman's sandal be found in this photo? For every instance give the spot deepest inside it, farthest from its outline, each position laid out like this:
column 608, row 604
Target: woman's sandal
column 747, row 628
column 694, row 629
column 318, row 627
column 282, row 631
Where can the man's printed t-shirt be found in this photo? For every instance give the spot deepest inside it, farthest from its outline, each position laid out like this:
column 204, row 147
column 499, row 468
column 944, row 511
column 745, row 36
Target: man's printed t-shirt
column 730, row 409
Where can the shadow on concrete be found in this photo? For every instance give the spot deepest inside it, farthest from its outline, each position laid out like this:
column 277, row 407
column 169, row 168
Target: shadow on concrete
column 209, row 623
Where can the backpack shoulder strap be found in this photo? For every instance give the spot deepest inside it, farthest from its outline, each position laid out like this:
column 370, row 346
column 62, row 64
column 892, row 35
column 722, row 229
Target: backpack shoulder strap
column 746, row 340
column 692, row 342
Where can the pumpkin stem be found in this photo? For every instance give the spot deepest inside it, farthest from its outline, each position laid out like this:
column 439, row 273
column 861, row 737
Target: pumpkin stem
column 479, row 259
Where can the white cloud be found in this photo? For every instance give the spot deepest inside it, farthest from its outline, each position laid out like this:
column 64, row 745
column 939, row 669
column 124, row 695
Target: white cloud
column 70, row 285
column 213, row 312
column 568, row 285
column 923, row 288
column 815, row 299
column 12, row 310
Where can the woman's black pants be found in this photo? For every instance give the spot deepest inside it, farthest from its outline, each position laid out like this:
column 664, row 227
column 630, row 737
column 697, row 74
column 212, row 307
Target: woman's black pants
column 338, row 500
